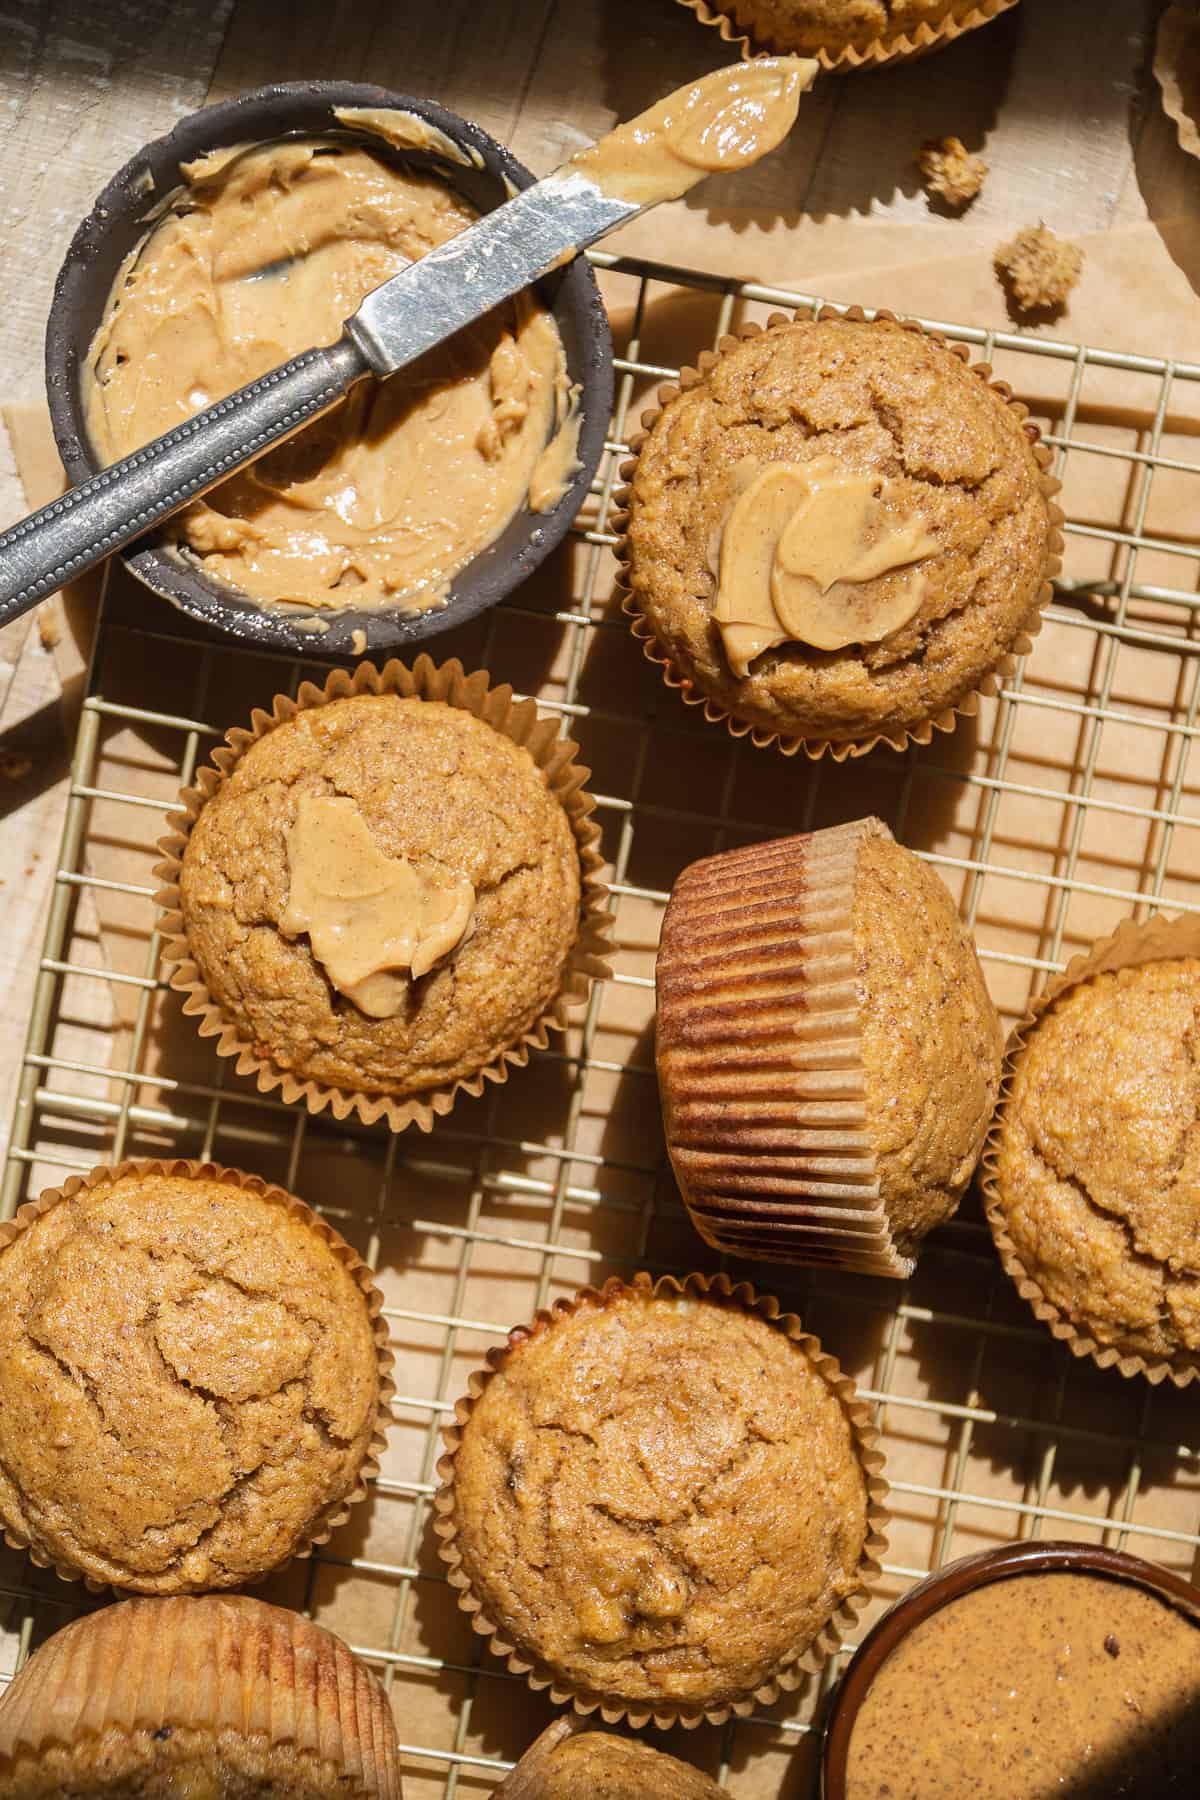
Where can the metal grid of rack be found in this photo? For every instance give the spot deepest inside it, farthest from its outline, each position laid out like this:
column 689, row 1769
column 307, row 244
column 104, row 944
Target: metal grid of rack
column 1068, row 803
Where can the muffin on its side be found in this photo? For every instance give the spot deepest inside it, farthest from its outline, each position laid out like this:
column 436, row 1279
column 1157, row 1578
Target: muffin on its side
column 565, row 1764
column 386, row 891
column 206, row 1697
column 847, row 34
column 193, row 1371
column 659, row 1499
column 837, row 533
column 828, row 1055
column 1094, row 1166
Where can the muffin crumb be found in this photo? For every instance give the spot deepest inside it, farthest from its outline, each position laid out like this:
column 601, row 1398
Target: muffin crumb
column 1039, row 269
column 949, row 172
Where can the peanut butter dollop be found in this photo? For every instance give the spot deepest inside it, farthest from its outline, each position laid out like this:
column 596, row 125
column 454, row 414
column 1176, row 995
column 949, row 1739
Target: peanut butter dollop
column 725, row 121
column 266, row 252
column 802, row 555
column 367, row 915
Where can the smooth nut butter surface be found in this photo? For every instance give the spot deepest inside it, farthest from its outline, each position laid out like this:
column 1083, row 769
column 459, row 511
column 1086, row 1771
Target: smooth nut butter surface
column 725, row 121
column 803, row 557
column 265, row 253
column 1038, row 1685
column 367, row 915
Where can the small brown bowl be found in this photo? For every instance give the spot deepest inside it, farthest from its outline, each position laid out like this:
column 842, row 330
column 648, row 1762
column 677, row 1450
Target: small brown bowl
column 951, row 1583
column 119, row 220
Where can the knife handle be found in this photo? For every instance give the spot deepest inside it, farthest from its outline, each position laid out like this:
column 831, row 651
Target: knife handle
column 125, row 499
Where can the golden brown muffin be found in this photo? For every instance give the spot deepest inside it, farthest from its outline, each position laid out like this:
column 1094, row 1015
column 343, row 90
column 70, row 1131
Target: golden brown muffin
column 828, row 1055
column 931, row 1038
column 950, row 459
column 1097, row 1160
column 433, row 786
column 594, row 1765
column 189, row 1380
column 658, row 1498
column 836, row 26
column 124, row 1704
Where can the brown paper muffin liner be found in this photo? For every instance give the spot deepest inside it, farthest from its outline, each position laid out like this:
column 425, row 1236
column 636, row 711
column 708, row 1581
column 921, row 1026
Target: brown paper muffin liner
column 495, row 706
column 1177, row 68
column 182, row 1169
column 764, row 1098
column 1159, row 939
column 902, row 48
column 220, row 1663
column 899, row 737
column 528, row 1780
column 806, row 1661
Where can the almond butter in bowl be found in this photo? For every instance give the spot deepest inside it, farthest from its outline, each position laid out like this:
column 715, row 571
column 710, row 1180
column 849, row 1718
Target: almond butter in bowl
column 194, row 1378
column 828, row 1054
column 837, row 534
column 662, row 1500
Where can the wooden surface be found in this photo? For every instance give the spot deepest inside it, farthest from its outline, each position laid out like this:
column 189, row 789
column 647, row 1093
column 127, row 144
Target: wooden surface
column 1058, row 95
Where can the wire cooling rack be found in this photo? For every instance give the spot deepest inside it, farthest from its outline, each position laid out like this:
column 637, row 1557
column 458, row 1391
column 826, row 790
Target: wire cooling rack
column 1067, row 804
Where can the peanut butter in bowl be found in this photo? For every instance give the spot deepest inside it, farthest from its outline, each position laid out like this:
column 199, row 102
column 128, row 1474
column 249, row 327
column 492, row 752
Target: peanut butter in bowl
column 264, row 252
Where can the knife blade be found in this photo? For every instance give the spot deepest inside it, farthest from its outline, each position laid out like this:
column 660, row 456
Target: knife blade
column 723, row 121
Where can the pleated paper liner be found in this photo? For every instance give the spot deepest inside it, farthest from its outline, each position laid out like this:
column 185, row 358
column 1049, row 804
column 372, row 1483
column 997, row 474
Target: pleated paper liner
column 1132, row 945
column 528, row 1780
column 807, row 1659
column 1177, row 69
column 554, row 755
column 221, row 1666
column 736, row 27
column 900, row 736
column 759, row 1052
column 184, row 1170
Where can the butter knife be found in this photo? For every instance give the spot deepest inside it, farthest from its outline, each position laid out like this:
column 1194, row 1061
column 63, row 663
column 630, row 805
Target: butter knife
column 725, row 120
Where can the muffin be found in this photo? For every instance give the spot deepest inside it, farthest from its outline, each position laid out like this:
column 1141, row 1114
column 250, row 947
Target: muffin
column 359, row 916
column 661, row 1500
column 1094, row 1161
column 828, row 1056
column 837, row 533
column 193, row 1374
column 222, row 1696
column 849, row 34
column 594, row 1765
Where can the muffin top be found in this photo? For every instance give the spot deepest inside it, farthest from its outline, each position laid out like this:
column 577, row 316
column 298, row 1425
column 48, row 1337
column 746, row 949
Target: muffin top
column 595, row 1765
column 188, row 1383
column 931, row 1038
column 293, row 1712
column 1098, row 1159
column 659, row 1498
column 835, row 25
column 874, row 493
column 382, row 895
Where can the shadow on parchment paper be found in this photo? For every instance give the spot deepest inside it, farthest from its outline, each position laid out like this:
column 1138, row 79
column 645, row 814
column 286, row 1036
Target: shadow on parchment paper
column 894, row 110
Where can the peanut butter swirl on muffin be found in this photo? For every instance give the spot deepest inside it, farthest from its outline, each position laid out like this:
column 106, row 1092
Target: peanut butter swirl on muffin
column 382, row 894
column 837, row 531
column 189, row 1379
column 1095, row 1181
column 658, row 1498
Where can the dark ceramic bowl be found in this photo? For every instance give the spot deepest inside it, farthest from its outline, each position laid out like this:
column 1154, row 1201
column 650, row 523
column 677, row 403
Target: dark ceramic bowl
column 1010, row 1562
column 118, row 221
